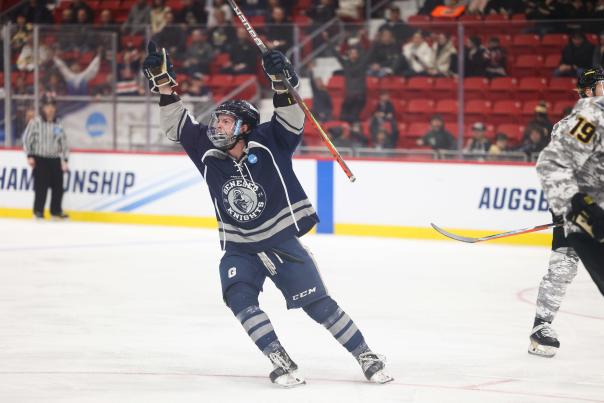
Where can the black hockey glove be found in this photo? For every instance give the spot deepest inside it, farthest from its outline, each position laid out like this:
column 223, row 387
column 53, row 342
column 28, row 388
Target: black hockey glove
column 158, row 68
column 588, row 215
column 276, row 65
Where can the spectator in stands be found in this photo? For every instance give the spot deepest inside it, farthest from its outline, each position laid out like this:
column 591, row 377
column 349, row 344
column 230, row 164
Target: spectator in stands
column 576, row 56
column 444, row 57
column 418, row 55
column 501, row 144
column 540, row 9
column 496, row 59
column 599, row 10
column 172, row 36
column 540, row 122
column 349, row 9
column 340, row 136
column 75, row 78
column 534, row 143
column 23, row 30
column 279, row 31
column 128, row 71
column 222, row 33
column 158, row 15
column 199, row 53
column 385, row 106
column 138, row 17
column 77, row 5
column 402, row 32
column 107, row 25
column 478, row 143
column 322, row 106
column 243, row 55
column 437, row 137
column 382, row 140
column 36, row 12
column 598, row 57
column 192, row 14
column 505, row 7
column 383, row 119
column 67, row 17
column 385, row 56
column 354, row 67
column 225, row 18
column 320, row 13
column 54, row 85
column 253, row 7
column 356, row 133
column 25, row 60
column 476, row 59
column 429, row 5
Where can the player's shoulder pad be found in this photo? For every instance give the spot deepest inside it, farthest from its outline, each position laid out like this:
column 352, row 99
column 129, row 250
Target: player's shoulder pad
column 598, row 102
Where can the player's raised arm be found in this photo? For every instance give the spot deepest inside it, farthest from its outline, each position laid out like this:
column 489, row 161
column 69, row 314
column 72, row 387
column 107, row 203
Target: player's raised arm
column 287, row 113
column 175, row 119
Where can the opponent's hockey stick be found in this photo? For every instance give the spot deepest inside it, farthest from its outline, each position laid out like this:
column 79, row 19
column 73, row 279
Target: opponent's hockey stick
column 263, row 49
column 494, row 236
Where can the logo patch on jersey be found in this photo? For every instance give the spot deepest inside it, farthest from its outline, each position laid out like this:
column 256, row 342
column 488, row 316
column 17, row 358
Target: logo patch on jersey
column 243, row 200
column 252, row 158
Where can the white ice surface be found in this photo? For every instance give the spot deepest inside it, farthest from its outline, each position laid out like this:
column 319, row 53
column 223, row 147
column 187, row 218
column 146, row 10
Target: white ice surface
column 122, row 314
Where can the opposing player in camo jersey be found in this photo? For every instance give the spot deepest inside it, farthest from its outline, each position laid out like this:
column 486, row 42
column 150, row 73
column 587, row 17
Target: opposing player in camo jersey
column 563, row 260
column 261, row 210
column 571, row 170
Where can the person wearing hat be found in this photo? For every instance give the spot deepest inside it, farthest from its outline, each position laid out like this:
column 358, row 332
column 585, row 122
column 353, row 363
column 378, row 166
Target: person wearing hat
column 540, row 121
column 478, row 143
column 437, row 137
column 45, row 144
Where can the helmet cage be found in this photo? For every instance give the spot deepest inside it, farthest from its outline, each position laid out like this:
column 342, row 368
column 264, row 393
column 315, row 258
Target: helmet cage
column 219, row 138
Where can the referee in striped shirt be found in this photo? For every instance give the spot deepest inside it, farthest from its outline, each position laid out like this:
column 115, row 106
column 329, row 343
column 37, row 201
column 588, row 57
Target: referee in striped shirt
column 45, row 144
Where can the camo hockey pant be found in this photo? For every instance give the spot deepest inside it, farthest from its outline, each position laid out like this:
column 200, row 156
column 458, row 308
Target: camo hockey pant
column 560, row 273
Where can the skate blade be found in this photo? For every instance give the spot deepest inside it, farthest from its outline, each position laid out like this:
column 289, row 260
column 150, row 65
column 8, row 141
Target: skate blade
column 289, row 380
column 381, row 378
column 542, row 351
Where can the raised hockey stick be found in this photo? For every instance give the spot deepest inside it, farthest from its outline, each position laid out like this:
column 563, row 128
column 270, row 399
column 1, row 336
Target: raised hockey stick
column 263, row 49
column 494, row 236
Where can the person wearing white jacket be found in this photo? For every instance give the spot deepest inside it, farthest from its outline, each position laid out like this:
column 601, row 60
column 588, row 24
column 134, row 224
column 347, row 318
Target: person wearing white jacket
column 418, row 54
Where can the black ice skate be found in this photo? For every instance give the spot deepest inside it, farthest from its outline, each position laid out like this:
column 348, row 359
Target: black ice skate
column 544, row 341
column 285, row 372
column 373, row 366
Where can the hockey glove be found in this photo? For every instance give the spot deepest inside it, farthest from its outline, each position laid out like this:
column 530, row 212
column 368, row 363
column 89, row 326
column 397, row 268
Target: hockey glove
column 588, row 215
column 158, row 68
column 277, row 67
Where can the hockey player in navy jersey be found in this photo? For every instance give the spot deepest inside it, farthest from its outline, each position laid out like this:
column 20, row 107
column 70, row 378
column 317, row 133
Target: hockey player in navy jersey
column 261, row 209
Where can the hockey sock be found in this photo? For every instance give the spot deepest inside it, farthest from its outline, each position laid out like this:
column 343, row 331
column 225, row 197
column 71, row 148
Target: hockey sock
column 327, row 312
column 243, row 300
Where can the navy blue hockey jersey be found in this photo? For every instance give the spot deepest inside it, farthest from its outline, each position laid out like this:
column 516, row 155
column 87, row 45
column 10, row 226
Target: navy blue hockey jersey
column 259, row 201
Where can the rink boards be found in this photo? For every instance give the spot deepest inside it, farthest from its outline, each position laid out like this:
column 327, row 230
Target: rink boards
column 389, row 198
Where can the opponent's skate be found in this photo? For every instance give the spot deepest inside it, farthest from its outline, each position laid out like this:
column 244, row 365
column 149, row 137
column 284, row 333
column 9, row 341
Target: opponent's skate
column 285, row 372
column 544, row 341
column 373, row 366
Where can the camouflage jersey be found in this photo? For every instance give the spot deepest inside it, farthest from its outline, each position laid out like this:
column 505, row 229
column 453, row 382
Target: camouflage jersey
column 574, row 159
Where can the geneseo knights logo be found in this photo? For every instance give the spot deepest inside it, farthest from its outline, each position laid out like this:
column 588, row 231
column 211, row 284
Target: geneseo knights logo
column 243, row 200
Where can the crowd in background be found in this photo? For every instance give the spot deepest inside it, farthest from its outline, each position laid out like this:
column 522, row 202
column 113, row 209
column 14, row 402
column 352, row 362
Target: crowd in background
column 197, row 33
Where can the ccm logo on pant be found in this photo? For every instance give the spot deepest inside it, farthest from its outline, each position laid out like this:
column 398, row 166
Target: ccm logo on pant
column 304, row 293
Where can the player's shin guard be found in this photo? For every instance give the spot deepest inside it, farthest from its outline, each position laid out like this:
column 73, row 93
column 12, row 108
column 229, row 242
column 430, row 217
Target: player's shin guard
column 243, row 300
column 327, row 312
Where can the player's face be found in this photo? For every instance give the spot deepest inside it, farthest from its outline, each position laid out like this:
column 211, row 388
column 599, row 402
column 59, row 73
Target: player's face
column 224, row 124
